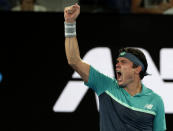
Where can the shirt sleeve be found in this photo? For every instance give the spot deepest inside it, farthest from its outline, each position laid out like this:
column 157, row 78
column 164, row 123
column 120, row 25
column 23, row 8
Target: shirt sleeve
column 99, row 82
column 159, row 120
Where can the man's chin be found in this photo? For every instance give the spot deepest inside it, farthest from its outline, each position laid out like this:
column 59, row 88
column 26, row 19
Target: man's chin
column 121, row 84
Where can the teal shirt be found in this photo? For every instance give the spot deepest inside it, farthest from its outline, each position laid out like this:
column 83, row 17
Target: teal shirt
column 146, row 101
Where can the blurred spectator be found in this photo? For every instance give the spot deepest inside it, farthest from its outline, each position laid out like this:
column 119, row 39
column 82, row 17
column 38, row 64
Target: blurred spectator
column 121, row 6
column 29, row 5
column 92, row 6
column 4, row 5
column 151, row 6
column 12, row 3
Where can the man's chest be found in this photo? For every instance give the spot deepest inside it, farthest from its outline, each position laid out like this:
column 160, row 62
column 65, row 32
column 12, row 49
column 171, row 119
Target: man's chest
column 128, row 115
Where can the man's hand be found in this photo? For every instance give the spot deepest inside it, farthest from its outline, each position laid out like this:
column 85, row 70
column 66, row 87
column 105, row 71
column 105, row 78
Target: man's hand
column 71, row 13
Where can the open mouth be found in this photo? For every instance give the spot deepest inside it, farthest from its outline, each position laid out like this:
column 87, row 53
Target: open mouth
column 119, row 75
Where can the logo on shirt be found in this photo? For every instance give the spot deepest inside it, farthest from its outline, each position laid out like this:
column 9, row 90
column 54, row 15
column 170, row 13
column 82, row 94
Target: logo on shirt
column 148, row 106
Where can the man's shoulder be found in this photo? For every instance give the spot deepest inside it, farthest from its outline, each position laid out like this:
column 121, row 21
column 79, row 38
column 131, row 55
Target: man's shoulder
column 98, row 72
column 155, row 96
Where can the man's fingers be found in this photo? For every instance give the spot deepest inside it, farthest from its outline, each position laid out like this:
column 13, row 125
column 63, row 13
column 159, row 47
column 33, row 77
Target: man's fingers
column 69, row 10
column 77, row 6
column 71, row 13
column 72, row 8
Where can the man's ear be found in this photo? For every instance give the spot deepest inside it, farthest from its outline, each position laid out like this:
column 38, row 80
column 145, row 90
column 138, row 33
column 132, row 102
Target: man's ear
column 138, row 69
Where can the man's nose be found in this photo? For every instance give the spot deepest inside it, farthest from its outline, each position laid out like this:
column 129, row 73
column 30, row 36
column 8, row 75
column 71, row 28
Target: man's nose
column 118, row 65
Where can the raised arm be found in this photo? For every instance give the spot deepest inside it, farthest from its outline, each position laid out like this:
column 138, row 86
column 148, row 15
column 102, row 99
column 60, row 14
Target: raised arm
column 71, row 44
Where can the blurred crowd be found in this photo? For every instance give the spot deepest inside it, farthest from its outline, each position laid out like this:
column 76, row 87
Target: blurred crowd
column 120, row 6
column 131, row 6
column 21, row 5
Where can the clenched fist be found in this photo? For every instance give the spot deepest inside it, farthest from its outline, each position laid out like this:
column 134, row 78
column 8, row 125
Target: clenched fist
column 71, row 13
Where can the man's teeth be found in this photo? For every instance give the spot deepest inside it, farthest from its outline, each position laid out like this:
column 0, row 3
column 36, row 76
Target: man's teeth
column 118, row 71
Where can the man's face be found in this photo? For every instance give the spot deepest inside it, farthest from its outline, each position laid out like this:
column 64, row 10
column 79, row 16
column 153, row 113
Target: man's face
column 124, row 71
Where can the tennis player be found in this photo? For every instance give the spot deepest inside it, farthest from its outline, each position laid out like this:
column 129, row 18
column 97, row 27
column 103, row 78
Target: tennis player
column 126, row 104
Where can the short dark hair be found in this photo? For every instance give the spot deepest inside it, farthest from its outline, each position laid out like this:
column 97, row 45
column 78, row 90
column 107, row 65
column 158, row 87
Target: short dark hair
column 140, row 55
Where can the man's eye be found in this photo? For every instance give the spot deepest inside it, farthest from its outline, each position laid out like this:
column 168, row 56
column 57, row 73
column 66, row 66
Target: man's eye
column 123, row 61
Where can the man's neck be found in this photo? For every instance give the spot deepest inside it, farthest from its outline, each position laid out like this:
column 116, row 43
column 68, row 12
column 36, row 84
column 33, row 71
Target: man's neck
column 134, row 88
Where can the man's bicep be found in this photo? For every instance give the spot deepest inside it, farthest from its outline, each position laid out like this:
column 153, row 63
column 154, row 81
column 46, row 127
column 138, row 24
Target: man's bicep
column 83, row 69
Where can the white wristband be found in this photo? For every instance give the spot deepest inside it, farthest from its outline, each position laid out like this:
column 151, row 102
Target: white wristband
column 70, row 29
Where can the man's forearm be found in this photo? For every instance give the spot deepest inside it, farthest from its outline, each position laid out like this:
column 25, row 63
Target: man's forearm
column 71, row 43
column 72, row 50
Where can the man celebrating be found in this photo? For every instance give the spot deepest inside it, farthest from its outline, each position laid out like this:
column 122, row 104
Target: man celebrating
column 125, row 103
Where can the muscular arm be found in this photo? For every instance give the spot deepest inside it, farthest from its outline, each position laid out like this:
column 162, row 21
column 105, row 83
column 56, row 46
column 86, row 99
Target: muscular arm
column 74, row 60
column 71, row 45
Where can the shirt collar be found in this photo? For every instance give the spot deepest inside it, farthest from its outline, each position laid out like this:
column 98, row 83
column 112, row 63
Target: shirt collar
column 144, row 91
